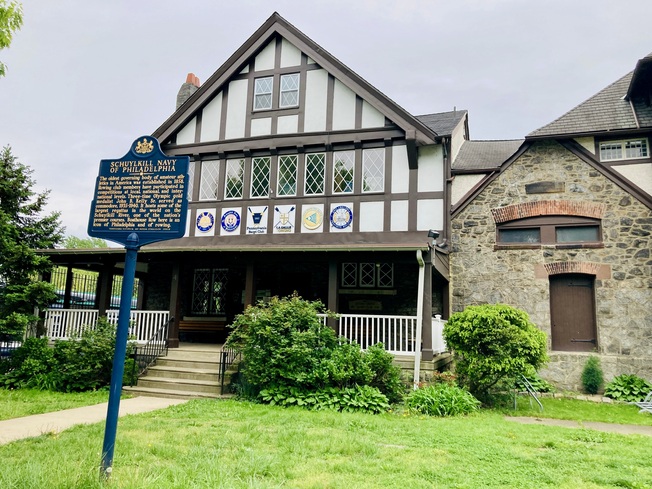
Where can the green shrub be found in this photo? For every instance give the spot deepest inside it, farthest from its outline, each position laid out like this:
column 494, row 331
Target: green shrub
column 78, row 364
column 592, row 376
column 630, row 388
column 493, row 344
column 441, row 399
column 29, row 366
column 346, row 366
column 283, row 342
column 359, row 398
column 386, row 374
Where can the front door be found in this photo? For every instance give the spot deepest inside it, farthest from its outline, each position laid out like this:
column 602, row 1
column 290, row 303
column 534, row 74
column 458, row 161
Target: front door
column 572, row 312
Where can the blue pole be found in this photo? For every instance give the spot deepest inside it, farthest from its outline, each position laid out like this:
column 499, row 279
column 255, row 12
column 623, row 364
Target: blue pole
column 119, row 357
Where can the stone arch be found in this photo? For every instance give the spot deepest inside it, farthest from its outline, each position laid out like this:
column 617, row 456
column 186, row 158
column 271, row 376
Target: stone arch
column 548, row 208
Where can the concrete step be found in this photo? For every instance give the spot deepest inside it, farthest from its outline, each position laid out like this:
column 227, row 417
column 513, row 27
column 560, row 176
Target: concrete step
column 194, row 355
column 184, row 385
column 169, row 394
column 171, row 362
column 183, row 373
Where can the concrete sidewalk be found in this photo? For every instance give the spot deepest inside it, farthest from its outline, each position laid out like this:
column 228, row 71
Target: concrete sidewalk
column 623, row 429
column 29, row 426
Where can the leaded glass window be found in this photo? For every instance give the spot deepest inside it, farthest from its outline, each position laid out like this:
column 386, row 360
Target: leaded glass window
column 209, row 180
column 260, row 169
column 315, row 174
column 234, row 179
column 287, row 175
column 191, row 179
column 209, row 291
column 373, row 170
column 349, row 274
column 289, row 90
column 343, row 164
column 367, row 274
column 263, row 93
column 385, row 275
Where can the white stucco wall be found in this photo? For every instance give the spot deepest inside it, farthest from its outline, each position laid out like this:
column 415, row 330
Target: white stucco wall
column 400, row 170
column 290, row 55
column 261, row 127
column 371, row 216
column 316, row 101
column 371, row 117
column 430, row 214
column 287, row 124
column 588, row 143
column 187, row 134
column 343, row 107
column 210, row 120
column 236, row 109
column 265, row 59
column 640, row 175
column 431, row 169
column 462, row 184
column 399, row 215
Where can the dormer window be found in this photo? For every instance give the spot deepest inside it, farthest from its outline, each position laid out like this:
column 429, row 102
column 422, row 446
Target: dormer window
column 629, row 149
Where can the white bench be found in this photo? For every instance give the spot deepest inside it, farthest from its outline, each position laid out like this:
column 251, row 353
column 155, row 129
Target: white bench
column 646, row 404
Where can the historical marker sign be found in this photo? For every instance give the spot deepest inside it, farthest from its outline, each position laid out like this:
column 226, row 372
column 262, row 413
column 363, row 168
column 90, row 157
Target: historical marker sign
column 144, row 192
column 139, row 199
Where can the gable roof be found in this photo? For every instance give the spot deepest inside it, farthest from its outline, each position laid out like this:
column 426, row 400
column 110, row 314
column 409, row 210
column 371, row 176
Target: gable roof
column 443, row 123
column 622, row 106
column 277, row 25
column 479, row 156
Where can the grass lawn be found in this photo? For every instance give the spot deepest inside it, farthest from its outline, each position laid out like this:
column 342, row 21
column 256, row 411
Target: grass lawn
column 26, row 402
column 230, row 444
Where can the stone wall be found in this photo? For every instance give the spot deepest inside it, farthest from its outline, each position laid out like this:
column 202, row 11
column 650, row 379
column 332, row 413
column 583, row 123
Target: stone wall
column 480, row 273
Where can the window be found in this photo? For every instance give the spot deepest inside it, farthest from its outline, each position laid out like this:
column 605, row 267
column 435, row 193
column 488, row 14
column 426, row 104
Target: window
column 209, row 292
column 373, row 170
column 191, row 178
column 368, row 275
column 209, row 180
column 234, row 179
column 550, row 230
column 315, row 174
column 343, row 162
column 287, row 175
column 263, row 93
column 260, row 168
column 289, row 91
column 623, row 150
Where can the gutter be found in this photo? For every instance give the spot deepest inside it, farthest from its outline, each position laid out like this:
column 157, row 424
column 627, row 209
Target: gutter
column 417, row 342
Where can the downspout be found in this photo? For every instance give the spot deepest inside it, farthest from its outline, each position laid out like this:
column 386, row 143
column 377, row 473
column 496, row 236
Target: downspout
column 417, row 341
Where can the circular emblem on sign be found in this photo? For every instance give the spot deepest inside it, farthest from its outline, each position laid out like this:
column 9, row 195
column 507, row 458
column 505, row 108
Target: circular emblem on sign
column 230, row 221
column 205, row 221
column 312, row 218
column 341, row 217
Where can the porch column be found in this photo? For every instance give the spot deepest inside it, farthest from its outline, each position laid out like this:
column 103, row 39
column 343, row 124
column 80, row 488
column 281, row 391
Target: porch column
column 249, row 286
column 68, row 290
column 104, row 288
column 332, row 291
column 175, row 305
column 426, row 331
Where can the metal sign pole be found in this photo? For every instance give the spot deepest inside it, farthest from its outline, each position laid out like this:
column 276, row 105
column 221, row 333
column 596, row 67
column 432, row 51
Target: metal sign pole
column 132, row 247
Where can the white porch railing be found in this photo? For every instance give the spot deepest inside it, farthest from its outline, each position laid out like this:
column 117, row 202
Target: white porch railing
column 66, row 323
column 397, row 333
column 438, row 343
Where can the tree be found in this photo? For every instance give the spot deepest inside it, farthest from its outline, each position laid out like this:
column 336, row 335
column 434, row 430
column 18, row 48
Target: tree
column 74, row 242
column 494, row 343
column 11, row 20
column 23, row 230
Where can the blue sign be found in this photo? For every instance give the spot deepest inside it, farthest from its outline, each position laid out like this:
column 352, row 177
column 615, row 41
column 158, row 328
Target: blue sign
column 144, row 192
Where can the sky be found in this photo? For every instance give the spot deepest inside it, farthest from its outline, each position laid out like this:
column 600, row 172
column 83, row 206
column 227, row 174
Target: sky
column 85, row 78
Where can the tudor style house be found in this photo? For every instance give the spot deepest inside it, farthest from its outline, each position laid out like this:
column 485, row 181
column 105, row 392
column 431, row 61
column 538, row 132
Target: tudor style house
column 303, row 177
column 560, row 225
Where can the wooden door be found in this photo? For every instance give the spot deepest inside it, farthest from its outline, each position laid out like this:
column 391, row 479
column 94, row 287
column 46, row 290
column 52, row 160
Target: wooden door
column 572, row 313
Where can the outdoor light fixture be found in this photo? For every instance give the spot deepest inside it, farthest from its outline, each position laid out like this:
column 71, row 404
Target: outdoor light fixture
column 433, row 235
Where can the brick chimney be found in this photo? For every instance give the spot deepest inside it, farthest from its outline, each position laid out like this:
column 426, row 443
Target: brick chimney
column 187, row 89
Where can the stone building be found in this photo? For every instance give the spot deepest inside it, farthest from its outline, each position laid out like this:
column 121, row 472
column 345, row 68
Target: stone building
column 559, row 225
